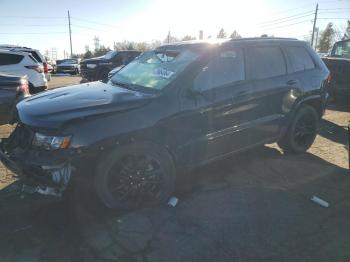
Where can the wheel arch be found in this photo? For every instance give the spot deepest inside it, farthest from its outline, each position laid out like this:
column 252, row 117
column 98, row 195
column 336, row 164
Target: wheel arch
column 314, row 101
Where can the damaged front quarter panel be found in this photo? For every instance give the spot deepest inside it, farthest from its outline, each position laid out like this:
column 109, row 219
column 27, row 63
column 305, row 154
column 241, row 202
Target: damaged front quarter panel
column 40, row 171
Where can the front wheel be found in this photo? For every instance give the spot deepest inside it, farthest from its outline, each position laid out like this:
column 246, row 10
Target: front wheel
column 302, row 132
column 135, row 176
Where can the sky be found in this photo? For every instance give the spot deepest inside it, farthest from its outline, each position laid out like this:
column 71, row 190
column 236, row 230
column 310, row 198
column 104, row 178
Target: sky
column 44, row 24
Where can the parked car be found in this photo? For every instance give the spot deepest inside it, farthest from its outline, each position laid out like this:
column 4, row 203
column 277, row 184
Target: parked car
column 98, row 68
column 70, row 66
column 35, row 53
column 338, row 62
column 174, row 108
column 12, row 90
column 23, row 63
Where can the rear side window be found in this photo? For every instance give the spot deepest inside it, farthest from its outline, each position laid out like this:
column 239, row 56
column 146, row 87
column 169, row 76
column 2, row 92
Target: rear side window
column 265, row 62
column 36, row 56
column 226, row 68
column 299, row 58
column 10, row 59
column 32, row 58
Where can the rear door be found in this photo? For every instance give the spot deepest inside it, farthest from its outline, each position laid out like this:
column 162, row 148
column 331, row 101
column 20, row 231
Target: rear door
column 267, row 71
column 302, row 69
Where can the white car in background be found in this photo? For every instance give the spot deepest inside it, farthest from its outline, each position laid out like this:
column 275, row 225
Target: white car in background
column 23, row 64
column 35, row 53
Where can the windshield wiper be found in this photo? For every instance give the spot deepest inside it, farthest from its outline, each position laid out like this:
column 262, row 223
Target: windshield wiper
column 122, row 84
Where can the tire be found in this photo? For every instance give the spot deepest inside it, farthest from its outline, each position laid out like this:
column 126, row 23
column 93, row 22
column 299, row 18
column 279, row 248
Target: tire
column 134, row 176
column 302, row 131
column 103, row 75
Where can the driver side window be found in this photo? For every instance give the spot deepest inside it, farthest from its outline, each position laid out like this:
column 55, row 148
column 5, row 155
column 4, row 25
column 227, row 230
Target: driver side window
column 225, row 68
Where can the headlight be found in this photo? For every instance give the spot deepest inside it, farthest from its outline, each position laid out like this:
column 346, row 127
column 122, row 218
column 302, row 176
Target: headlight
column 51, row 142
column 91, row 65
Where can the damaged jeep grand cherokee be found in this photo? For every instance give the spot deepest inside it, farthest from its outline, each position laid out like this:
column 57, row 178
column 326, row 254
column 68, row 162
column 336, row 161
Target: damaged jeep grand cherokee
column 172, row 109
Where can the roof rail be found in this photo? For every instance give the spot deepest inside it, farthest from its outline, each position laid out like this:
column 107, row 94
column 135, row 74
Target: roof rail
column 263, row 38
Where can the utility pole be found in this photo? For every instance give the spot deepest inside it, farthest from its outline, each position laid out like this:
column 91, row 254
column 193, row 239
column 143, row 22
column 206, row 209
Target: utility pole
column 201, row 35
column 96, row 42
column 168, row 37
column 316, row 37
column 70, row 35
column 314, row 27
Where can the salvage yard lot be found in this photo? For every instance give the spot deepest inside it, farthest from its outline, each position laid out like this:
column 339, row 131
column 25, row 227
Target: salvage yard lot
column 254, row 206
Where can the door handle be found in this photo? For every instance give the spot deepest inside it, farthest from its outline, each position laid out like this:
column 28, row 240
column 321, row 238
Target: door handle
column 292, row 82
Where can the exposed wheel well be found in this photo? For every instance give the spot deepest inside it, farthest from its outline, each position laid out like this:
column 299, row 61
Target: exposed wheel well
column 316, row 104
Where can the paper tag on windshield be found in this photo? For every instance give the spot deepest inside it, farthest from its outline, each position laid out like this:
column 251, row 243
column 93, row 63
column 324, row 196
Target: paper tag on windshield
column 163, row 73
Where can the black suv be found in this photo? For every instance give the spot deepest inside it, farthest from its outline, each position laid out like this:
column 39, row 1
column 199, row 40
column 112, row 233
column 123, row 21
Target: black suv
column 170, row 110
column 338, row 62
column 98, row 68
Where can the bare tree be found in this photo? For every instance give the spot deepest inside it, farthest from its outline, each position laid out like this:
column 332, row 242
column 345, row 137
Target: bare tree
column 222, row 33
column 235, row 35
column 326, row 39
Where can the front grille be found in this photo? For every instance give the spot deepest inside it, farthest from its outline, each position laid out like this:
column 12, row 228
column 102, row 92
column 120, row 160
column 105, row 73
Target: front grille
column 21, row 137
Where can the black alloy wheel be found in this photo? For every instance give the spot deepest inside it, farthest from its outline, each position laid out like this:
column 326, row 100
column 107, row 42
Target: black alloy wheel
column 135, row 176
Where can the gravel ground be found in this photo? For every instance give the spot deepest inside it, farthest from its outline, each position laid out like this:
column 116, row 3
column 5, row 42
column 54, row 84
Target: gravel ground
column 59, row 81
column 254, row 206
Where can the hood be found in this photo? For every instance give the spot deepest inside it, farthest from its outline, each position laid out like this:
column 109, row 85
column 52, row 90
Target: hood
column 67, row 64
column 94, row 60
column 54, row 108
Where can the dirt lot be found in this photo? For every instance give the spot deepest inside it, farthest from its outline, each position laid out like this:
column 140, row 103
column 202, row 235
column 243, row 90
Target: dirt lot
column 254, row 206
column 59, row 81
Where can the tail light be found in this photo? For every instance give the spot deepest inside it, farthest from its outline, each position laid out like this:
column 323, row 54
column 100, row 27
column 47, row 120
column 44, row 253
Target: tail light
column 37, row 68
column 46, row 68
column 24, row 87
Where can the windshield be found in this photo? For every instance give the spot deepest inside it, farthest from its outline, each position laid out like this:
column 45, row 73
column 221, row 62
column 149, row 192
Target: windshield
column 109, row 54
column 341, row 49
column 155, row 69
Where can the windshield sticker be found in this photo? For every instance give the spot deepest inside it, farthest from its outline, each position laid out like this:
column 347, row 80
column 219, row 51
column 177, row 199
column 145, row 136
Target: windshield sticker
column 163, row 73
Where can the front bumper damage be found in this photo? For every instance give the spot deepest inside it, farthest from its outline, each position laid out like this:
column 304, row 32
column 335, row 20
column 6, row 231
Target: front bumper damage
column 38, row 177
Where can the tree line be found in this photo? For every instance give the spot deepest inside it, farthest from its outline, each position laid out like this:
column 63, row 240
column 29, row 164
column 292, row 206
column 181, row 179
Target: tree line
column 143, row 46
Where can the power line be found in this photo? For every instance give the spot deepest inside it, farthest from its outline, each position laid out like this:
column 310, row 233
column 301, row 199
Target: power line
column 90, row 28
column 34, row 17
column 328, row 9
column 337, row 18
column 93, row 22
column 335, row 12
column 287, row 20
column 288, row 25
column 287, row 17
column 291, row 9
column 36, row 25
column 31, row 33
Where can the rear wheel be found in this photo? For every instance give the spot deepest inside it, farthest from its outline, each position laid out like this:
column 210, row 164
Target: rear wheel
column 302, row 132
column 135, row 176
